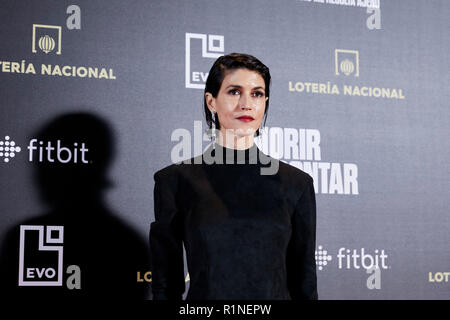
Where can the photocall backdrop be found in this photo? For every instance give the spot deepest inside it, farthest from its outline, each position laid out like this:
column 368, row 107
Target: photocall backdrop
column 96, row 96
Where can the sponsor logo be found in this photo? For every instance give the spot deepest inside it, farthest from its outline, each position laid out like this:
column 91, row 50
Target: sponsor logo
column 322, row 258
column 50, row 239
column 8, row 149
column 359, row 259
column 46, row 151
column 353, row 259
column 44, row 41
column 41, row 258
column 47, row 40
column 144, row 277
column 347, row 64
column 438, row 276
column 212, row 47
column 147, row 277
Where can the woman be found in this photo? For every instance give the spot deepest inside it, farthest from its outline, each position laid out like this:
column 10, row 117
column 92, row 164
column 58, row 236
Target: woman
column 247, row 234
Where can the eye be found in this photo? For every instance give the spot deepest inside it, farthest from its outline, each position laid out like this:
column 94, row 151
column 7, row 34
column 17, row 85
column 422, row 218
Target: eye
column 233, row 91
column 259, row 94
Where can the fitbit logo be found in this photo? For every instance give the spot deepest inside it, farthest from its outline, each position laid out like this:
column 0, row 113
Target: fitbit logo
column 353, row 259
column 46, row 151
column 8, row 149
column 372, row 263
column 357, row 259
column 322, row 258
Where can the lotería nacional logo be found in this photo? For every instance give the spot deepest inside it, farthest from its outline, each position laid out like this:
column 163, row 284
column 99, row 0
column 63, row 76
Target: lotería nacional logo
column 41, row 258
column 47, row 38
column 346, row 62
column 212, row 47
column 347, row 65
column 438, row 277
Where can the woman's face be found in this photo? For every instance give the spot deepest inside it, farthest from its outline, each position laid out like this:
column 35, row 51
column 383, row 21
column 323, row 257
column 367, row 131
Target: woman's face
column 240, row 103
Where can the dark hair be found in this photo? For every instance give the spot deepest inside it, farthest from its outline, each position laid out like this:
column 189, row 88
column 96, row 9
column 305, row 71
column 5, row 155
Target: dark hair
column 221, row 66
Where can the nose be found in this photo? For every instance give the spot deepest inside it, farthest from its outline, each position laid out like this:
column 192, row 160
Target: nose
column 244, row 102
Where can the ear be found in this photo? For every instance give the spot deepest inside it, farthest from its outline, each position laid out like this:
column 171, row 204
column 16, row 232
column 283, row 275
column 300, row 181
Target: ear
column 267, row 98
column 210, row 101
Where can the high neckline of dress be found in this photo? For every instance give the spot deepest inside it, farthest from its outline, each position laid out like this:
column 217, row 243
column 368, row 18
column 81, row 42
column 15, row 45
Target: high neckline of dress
column 235, row 156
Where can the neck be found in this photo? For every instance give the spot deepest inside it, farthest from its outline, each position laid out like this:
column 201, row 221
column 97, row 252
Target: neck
column 232, row 141
column 224, row 155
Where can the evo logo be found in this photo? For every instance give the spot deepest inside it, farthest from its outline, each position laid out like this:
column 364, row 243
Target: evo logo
column 41, row 258
column 212, row 47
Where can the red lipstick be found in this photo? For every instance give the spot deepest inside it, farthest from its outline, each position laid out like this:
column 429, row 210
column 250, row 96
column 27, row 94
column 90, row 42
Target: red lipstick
column 245, row 118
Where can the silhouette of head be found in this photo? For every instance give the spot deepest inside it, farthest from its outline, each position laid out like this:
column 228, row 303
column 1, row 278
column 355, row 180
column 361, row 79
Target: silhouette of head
column 72, row 154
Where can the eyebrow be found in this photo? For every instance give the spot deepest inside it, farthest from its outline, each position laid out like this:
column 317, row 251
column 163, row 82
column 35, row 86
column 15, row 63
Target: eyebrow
column 238, row 86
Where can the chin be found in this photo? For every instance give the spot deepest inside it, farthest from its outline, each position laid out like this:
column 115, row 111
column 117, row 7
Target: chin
column 245, row 132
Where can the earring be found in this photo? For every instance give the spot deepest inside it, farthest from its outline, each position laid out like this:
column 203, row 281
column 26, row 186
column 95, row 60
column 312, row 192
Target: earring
column 213, row 127
column 258, row 131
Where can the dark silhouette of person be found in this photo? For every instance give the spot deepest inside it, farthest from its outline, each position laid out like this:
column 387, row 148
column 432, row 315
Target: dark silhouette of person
column 72, row 184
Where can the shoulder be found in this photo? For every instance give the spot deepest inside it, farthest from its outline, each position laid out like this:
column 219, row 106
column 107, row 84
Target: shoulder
column 173, row 170
column 298, row 177
column 166, row 176
column 165, row 172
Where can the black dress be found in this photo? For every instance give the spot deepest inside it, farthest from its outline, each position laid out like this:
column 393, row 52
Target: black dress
column 247, row 235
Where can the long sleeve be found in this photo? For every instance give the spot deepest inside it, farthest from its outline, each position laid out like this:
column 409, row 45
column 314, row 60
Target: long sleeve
column 301, row 263
column 166, row 240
